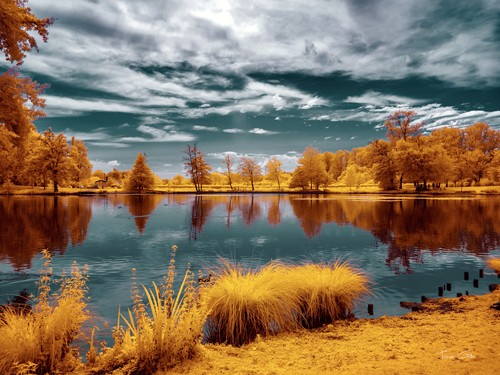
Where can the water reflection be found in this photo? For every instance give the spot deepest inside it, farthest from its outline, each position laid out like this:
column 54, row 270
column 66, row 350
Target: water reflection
column 31, row 224
column 406, row 226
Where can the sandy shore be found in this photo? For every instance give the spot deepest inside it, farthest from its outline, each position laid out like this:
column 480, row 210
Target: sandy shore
column 450, row 336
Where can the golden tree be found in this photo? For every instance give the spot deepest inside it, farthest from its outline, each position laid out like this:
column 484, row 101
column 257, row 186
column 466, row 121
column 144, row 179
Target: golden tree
column 313, row 168
column 228, row 163
column 51, row 155
column 250, row 170
column 141, row 178
column 19, row 96
column 274, row 171
column 80, row 167
column 17, row 22
column 196, row 167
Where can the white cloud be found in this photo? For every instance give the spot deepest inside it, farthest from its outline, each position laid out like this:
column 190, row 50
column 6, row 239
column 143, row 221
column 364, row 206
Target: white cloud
column 205, row 128
column 114, row 163
column 159, row 135
column 378, row 99
column 233, row 131
column 261, row 131
column 109, row 144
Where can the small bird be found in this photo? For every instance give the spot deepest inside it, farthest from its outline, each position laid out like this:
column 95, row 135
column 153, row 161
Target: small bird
column 203, row 279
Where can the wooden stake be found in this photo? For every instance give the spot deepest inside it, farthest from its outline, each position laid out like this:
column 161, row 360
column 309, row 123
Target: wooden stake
column 370, row 309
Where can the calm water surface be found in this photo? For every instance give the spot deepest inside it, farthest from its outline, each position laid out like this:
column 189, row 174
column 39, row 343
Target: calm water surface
column 407, row 246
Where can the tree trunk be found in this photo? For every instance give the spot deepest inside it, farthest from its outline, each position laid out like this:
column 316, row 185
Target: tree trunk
column 252, row 183
column 401, row 182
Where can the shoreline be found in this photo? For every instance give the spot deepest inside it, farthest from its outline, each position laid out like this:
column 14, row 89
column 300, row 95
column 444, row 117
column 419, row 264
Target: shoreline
column 451, row 335
column 450, row 192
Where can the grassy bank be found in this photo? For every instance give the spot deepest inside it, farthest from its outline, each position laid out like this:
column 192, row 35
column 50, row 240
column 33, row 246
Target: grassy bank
column 369, row 189
column 450, row 336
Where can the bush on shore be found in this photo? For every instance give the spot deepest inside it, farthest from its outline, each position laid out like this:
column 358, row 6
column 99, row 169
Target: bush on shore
column 244, row 303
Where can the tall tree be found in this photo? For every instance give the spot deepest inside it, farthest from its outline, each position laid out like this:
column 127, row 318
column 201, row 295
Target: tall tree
column 80, row 167
column 480, row 142
column 384, row 168
column 422, row 160
column 250, row 170
column 274, row 171
column 229, row 162
column 52, row 155
column 196, row 167
column 400, row 127
column 313, row 167
column 17, row 22
column 141, row 178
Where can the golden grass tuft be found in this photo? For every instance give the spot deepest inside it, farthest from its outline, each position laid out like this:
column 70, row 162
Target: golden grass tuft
column 159, row 334
column 38, row 342
column 494, row 264
column 327, row 292
column 244, row 303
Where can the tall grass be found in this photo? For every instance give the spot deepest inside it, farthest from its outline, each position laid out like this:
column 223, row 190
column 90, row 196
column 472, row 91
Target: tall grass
column 159, row 334
column 327, row 291
column 244, row 303
column 39, row 341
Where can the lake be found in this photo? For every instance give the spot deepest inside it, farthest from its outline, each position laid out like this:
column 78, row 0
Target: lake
column 408, row 246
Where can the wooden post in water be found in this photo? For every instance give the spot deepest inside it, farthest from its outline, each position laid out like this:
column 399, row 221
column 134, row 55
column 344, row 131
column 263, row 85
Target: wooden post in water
column 466, row 275
column 459, row 294
column 423, row 299
column 440, row 291
column 481, row 273
column 476, row 283
column 448, row 287
column 466, row 292
column 370, row 309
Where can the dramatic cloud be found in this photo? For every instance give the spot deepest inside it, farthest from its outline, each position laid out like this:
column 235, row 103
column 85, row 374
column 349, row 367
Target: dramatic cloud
column 127, row 76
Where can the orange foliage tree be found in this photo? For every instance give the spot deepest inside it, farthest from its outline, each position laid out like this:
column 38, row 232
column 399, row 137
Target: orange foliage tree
column 250, row 170
column 19, row 96
column 141, row 178
column 17, row 22
column 196, row 167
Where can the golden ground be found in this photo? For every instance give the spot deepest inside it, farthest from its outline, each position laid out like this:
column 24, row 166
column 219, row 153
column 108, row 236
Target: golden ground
column 451, row 336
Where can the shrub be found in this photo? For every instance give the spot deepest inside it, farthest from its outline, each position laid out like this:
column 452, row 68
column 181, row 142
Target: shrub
column 244, row 303
column 158, row 335
column 327, row 291
column 39, row 341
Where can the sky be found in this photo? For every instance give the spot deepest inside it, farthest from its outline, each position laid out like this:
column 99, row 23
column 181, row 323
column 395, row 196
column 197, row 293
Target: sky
column 260, row 78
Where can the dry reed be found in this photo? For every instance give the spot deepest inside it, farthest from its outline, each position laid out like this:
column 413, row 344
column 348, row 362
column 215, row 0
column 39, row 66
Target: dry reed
column 159, row 334
column 327, row 292
column 38, row 342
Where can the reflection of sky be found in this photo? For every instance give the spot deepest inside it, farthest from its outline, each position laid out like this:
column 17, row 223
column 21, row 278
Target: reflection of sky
column 259, row 79
column 113, row 247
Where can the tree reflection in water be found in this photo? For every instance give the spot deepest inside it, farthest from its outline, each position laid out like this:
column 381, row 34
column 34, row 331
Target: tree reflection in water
column 405, row 225
column 30, row 224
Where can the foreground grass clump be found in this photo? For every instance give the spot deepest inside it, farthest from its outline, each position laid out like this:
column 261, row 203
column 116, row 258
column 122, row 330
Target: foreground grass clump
column 158, row 335
column 327, row 291
column 38, row 342
column 494, row 264
column 244, row 303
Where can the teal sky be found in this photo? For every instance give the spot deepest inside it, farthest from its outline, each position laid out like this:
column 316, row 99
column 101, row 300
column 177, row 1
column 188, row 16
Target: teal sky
column 260, row 78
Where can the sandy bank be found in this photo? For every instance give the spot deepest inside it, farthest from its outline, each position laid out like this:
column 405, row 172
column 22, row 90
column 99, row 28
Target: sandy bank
column 451, row 336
